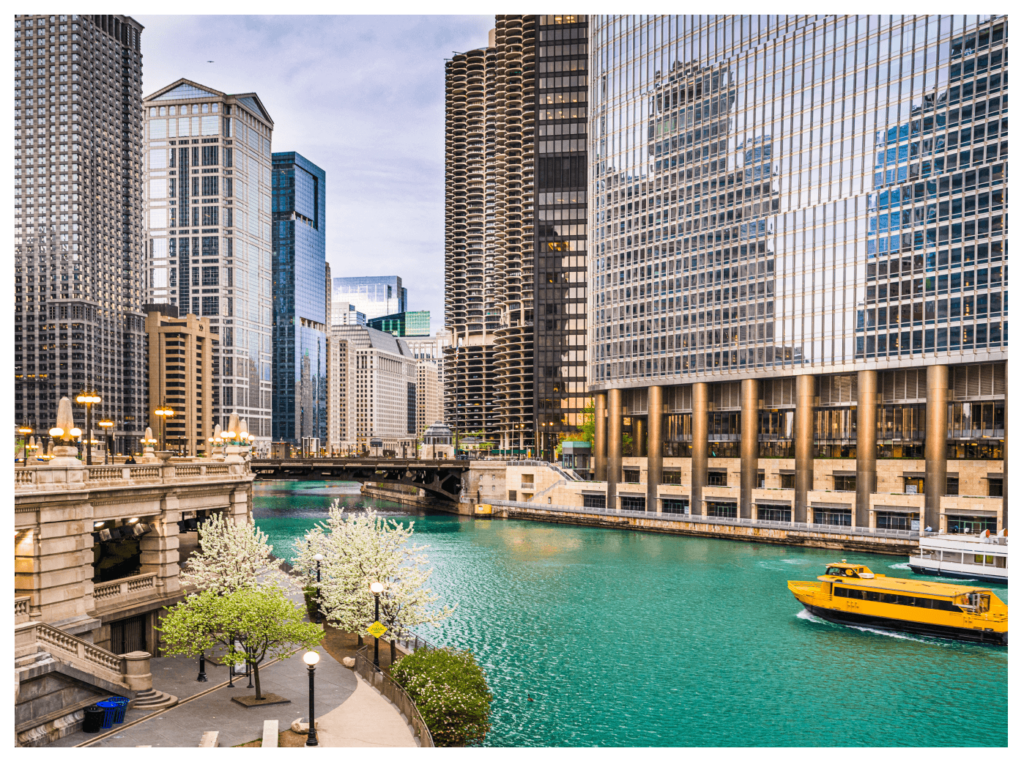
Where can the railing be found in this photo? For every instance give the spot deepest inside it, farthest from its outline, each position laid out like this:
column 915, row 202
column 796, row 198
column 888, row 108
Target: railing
column 415, row 643
column 106, row 473
column 187, row 470
column 21, row 605
column 44, row 477
column 119, row 587
column 394, row 693
column 77, row 648
column 788, row 525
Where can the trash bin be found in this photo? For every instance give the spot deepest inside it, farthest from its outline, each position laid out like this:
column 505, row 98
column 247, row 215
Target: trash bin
column 122, row 705
column 93, row 719
column 109, row 709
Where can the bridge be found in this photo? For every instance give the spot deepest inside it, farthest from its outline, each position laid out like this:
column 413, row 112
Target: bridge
column 442, row 478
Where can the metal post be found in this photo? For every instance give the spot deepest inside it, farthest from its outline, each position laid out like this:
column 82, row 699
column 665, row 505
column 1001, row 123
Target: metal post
column 88, row 426
column 376, row 640
column 202, row 668
column 318, row 593
column 311, row 737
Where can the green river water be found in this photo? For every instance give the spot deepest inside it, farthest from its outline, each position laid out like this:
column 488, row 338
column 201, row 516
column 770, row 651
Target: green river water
column 600, row 637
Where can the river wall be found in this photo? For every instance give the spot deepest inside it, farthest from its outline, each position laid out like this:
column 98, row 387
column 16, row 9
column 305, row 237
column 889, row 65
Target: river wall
column 414, row 497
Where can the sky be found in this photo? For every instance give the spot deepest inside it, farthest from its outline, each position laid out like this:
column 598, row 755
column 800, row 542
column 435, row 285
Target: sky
column 360, row 96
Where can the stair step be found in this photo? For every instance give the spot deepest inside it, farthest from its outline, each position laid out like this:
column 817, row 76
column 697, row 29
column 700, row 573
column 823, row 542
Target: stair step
column 153, row 699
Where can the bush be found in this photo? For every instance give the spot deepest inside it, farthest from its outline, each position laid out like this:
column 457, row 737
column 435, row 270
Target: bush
column 450, row 691
column 310, row 594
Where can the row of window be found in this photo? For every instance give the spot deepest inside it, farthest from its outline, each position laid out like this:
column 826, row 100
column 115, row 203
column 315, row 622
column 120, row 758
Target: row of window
column 894, row 599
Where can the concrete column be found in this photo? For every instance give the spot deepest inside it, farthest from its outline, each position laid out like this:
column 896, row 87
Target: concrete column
column 699, row 458
column 654, row 449
column 867, row 443
column 600, row 437
column 159, row 546
column 614, row 445
column 640, row 446
column 935, row 444
column 749, row 393
column 803, row 436
column 1013, row 493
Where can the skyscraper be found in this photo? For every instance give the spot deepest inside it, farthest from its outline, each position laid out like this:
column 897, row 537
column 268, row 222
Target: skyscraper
column 515, row 241
column 300, row 308
column 78, row 244
column 373, row 295
column 798, row 266
column 208, row 214
column 403, row 323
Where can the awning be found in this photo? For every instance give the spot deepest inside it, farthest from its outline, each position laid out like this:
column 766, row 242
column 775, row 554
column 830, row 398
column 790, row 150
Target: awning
column 787, row 472
column 896, row 509
column 844, row 473
column 913, row 474
column 717, row 470
column 832, row 506
column 760, row 471
column 593, row 492
column 717, row 499
column 783, row 503
column 632, row 494
column 1000, row 476
column 970, row 512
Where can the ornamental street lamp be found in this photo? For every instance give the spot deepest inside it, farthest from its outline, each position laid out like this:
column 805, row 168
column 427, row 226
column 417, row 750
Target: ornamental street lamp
column 202, row 668
column 88, row 397
column 106, row 424
column 25, row 430
column 376, row 588
column 311, row 658
column 165, row 412
column 318, row 558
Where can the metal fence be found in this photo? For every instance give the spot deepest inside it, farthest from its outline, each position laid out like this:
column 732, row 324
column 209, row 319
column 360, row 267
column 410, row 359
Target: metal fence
column 395, row 694
column 788, row 525
column 415, row 643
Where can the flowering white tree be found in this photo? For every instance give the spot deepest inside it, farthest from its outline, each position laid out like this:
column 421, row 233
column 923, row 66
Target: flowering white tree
column 359, row 550
column 231, row 557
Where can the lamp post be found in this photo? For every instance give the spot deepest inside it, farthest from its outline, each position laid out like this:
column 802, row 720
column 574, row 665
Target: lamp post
column 311, row 658
column 376, row 588
column 318, row 558
column 25, row 430
column 106, row 425
column 165, row 412
column 88, row 397
column 202, row 668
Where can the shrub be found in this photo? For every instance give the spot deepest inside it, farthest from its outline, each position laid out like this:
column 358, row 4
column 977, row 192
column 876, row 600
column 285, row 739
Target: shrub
column 310, row 594
column 451, row 693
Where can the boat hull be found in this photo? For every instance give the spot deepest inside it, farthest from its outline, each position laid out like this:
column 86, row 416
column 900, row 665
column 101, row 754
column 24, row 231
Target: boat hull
column 901, row 625
column 956, row 574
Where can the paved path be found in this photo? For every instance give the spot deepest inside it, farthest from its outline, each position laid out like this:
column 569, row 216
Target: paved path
column 366, row 719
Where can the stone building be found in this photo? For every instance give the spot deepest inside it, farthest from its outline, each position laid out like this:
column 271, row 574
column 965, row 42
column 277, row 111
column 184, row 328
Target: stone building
column 429, row 395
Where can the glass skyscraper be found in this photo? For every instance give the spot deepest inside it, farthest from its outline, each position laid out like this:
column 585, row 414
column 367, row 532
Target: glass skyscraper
column 798, row 250
column 300, row 299
column 403, row 324
column 372, row 295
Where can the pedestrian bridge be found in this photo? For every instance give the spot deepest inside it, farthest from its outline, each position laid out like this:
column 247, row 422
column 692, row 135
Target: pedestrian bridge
column 442, row 478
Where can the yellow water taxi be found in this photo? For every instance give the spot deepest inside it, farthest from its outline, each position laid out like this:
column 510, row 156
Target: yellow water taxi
column 851, row 594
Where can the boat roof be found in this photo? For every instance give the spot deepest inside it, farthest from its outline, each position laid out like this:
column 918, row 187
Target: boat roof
column 896, row 584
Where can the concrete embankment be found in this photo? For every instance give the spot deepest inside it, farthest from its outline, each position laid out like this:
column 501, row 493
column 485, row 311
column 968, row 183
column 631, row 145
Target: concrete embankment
column 416, row 498
column 901, row 546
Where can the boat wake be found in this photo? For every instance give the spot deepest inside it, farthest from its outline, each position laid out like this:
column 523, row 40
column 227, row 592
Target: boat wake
column 807, row 615
column 904, row 565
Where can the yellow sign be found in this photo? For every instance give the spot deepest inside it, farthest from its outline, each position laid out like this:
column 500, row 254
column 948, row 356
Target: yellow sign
column 377, row 629
column 483, row 509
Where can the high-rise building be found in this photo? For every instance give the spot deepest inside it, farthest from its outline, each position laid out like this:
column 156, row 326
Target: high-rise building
column 429, row 395
column 78, row 240
column 300, row 301
column 403, row 323
column 371, row 392
column 798, row 269
column 373, row 295
column 208, row 216
column 515, row 251
column 180, row 355
column 345, row 313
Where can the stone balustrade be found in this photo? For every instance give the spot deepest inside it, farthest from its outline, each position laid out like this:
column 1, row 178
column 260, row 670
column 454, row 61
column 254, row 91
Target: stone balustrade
column 44, row 477
column 21, row 608
column 122, row 588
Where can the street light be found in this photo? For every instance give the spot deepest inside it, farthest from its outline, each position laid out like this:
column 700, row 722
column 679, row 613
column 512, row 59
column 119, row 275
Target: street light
column 88, row 397
column 106, row 425
column 25, row 430
column 311, row 658
column 376, row 588
column 318, row 558
column 165, row 412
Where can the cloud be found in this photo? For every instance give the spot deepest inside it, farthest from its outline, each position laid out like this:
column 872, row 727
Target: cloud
column 360, row 96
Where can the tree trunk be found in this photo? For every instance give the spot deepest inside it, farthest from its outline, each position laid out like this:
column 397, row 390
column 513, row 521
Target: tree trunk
column 256, row 677
column 393, row 656
column 359, row 640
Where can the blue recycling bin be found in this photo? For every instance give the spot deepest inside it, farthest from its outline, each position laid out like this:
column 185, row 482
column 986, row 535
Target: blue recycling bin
column 122, row 706
column 109, row 712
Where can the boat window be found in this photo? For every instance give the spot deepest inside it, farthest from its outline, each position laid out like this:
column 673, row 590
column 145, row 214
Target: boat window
column 872, row 595
column 847, row 592
column 983, row 601
column 983, row 560
column 951, row 556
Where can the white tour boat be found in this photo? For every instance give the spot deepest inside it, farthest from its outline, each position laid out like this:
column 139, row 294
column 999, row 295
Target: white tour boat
column 968, row 556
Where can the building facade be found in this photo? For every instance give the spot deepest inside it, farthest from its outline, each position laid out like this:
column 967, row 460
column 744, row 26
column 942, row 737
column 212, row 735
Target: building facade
column 345, row 313
column 371, row 392
column 180, row 354
column 79, row 272
column 797, row 266
column 403, row 323
column 515, row 251
column 429, row 395
column 372, row 295
column 300, row 300
column 208, row 217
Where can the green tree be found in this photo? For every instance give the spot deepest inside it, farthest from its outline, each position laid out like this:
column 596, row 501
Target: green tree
column 585, row 432
column 450, row 691
column 262, row 619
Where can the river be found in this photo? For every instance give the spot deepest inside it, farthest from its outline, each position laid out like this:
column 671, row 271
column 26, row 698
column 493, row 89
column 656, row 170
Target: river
column 601, row 637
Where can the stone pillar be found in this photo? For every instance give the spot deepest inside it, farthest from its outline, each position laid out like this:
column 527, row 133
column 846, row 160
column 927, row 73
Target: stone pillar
column 749, row 393
column 159, row 546
column 53, row 563
column 1013, row 494
column 640, row 448
column 867, row 443
column 600, row 437
column 1006, row 452
column 137, row 673
column 935, row 430
column 614, row 446
column 654, row 449
column 699, row 457
column 803, row 436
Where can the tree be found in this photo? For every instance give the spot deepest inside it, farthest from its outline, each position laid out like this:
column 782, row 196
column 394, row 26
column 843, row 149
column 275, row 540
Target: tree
column 359, row 550
column 262, row 618
column 231, row 557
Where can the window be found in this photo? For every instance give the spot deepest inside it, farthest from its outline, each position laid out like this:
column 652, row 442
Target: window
column 995, row 486
column 717, row 479
column 594, row 501
column 901, row 521
column 211, row 215
column 722, row 510
column 788, row 481
column 634, row 503
column 952, row 485
column 913, row 485
column 845, row 483
column 774, row 513
column 211, row 305
column 675, row 506
column 210, row 186
column 671, row 477
column 210, row 156
column 211, row 276
column 833, row 516
column 631, row 475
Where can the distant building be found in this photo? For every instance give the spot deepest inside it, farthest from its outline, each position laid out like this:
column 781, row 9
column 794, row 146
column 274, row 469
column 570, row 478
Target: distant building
column 345, row 313
column 431, row 350
column 373, row 295
column 371, row 391
column 180, row 354
column 300, row 300
column 429, row 395
column 403, row 323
